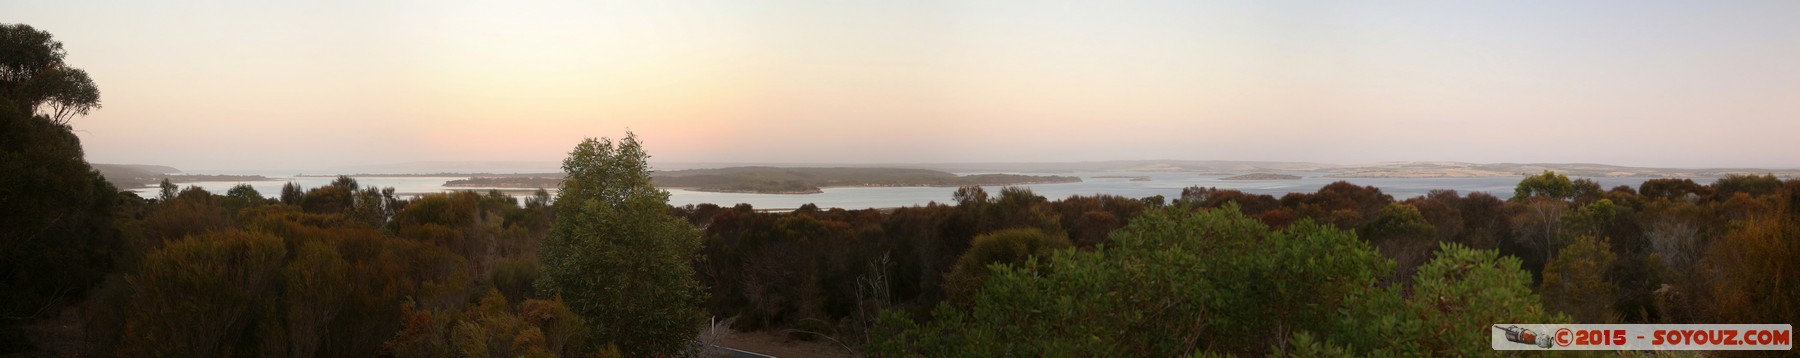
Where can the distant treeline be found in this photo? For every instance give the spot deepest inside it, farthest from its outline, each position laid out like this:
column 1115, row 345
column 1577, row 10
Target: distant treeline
column 507, row 182
column 810, row 180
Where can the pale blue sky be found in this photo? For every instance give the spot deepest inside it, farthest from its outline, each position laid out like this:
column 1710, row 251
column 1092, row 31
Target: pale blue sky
column 251, row 84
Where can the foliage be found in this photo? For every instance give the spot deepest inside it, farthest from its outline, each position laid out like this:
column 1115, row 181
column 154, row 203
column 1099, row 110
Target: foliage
column 1671, row 188
column 1088, row 219
column 1196, row 196
column 1397, row 222
column 616, row 254
column 1401, row 233
column 35, row 80
column 1545, row 185
column 1478, row 220
column 491, row 327
column 1754, row 267
column 514, row 276
column 1015, row 207
column 330, row 199
column 57, row 232
column 315, row 289
column 1575, row 283
column 1304, row 344
column 1010, row 247
column 877, row 279
column 1591, row 219
column 1754, row 185
column 192, row 296
column 1347, row 206
column 1537, row 227
column 1585, row 190
column 1452, row 303
column 290, row 194
column 1188, row 284
column 1171, row 282
column 342, row 288
column 191, row 212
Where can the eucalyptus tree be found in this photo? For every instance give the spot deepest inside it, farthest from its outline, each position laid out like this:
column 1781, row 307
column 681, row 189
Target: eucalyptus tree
column 618, row 256
column 34, row 77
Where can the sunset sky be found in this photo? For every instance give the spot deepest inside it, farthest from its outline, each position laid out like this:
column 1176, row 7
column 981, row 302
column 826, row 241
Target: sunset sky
column 212, row 85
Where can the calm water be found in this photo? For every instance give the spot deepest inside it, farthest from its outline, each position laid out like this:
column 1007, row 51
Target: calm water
column 1167, row 184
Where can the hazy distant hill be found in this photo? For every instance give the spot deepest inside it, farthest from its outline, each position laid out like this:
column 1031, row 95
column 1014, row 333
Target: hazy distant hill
column 134, row 175
column 128, row 176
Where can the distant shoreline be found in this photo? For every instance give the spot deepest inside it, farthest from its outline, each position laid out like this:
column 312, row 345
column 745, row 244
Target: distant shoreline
column 430, row 175
column 820, row 190
column 1263, row 176
column 801, row 180
column 1132, row 177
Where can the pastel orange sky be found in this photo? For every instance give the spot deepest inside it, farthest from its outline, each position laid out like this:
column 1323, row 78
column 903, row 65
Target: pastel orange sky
column 214, row 85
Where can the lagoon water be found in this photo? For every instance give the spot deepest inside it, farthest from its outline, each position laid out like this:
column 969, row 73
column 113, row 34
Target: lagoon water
column 1167, row 184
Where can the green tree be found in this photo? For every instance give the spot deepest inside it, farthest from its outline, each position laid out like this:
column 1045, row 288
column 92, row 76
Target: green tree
column 617, row 255
column 1012, row 247
column 1014, row 207
column 242, row 196
column 291, row 194
column 1671, row 188
column 1548, row 184
column 1585, row 190
column 57, row 233
column 1173, row 281
column 1401, row 233
column 374, row 206
column 1155, row 201
column 1755, row 185
column 329, row 199
column 1538, row 224
column 1397, row 222
column 1575, row 283
column 35, row 79
column 166, row 190
column 1454, row 301
column 1589, row 220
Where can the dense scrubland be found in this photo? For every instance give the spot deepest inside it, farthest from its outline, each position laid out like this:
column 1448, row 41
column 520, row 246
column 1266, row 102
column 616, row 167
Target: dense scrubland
column 608, row 268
